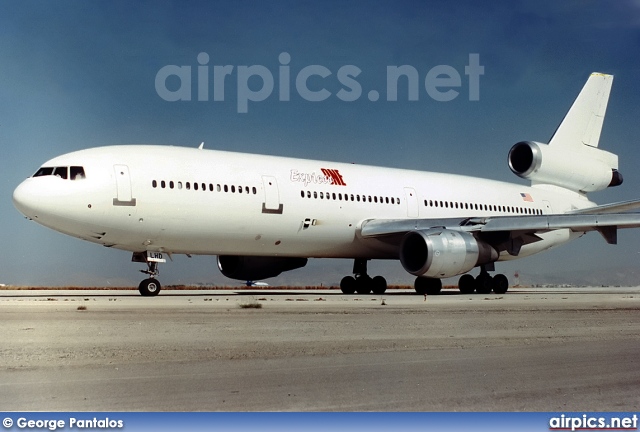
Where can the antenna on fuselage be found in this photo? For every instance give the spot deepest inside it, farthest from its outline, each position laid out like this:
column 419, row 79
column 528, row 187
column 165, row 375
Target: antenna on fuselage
column 201, row 146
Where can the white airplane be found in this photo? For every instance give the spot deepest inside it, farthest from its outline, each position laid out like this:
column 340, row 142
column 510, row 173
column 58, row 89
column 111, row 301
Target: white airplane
column 263, row 215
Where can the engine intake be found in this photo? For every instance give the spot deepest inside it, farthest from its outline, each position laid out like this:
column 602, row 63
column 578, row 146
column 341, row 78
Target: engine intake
column 443, row 253
column 587, row 170
column 256, row 267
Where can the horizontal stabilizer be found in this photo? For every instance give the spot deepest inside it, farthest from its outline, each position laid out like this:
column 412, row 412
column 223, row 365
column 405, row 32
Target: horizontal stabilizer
column 618, row 207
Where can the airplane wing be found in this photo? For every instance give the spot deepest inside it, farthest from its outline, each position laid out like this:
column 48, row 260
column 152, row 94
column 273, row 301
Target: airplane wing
column 508, row 233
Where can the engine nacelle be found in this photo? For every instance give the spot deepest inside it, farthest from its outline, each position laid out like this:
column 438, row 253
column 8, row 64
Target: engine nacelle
column 587, row 170
column 440, row 253
column 253, row 268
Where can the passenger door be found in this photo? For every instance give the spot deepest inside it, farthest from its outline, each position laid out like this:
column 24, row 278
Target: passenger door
column 411, row 198
column 123, row 187
column 271, row 204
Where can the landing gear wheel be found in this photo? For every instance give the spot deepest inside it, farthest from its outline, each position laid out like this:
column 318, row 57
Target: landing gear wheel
column 484, row 283
column 378, row 285
column 467, row 284
column 429, row 286
column 348, row 285
column 500, row 284
column 149, row 287
column 363, row 285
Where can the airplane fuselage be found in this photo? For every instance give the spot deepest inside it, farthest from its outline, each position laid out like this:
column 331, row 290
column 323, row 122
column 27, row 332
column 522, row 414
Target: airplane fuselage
column 191, row 201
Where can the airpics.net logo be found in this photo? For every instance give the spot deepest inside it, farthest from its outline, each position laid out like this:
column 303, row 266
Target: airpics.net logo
column 257, row 83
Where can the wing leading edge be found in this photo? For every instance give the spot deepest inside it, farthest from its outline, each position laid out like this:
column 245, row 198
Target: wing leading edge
column 510, row 231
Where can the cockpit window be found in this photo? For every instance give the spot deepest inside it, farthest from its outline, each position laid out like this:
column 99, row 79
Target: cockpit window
column 61, row 172
column 65, row 172
column 76, row 173
column 44, row 171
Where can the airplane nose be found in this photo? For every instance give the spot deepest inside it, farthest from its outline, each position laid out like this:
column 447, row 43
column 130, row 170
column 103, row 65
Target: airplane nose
column 24, row 199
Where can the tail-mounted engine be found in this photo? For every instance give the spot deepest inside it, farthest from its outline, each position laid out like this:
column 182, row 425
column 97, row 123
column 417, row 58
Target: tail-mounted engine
column 588, row 169
column 440, row 253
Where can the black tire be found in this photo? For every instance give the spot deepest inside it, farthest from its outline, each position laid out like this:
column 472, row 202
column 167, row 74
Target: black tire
column 435, row 286
column 429, row 286
column 467, row 284
column 420, row 286
column 363, row 285
column 378, row 285
column 500, row 284
column 149, row 287
column 484, row 283
column 348, row 285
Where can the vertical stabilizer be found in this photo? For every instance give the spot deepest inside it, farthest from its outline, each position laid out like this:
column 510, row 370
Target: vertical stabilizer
column 583, row 123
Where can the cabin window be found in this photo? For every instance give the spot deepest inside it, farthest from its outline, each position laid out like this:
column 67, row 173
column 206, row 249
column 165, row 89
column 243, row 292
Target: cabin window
column 154, row 184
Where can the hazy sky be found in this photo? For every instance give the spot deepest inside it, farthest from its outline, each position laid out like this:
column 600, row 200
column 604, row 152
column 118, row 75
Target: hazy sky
column 78, row 74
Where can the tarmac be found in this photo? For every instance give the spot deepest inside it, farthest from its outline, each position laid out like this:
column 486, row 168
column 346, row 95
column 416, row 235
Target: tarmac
column 532, row 349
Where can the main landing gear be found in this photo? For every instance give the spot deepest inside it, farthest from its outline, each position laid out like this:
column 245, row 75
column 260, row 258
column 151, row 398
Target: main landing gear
column 149, row 287
column 361, row 282
column 484, row 283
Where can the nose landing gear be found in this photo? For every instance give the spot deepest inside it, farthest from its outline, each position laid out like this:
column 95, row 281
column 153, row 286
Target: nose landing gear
column 149, row 287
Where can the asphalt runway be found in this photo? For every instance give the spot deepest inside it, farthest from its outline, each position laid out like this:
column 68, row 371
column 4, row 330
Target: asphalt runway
column 553, row 349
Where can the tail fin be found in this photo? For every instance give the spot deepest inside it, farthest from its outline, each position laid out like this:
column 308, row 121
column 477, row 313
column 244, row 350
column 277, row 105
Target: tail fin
column 572, row 159
column 583, row 123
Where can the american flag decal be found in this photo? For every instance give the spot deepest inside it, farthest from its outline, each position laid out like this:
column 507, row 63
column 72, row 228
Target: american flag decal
column 526, row 197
